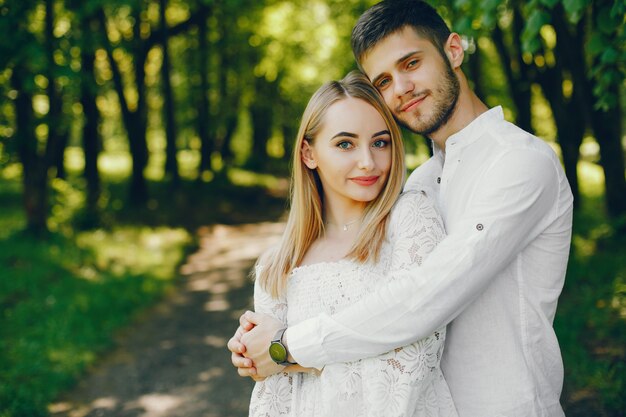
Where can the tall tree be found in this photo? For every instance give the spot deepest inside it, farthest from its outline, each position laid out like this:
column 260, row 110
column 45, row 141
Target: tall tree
column 599, row 75
column 23, row 50
column 207, row 138
column 89, row 27
column 171, row 162
column 135, row 120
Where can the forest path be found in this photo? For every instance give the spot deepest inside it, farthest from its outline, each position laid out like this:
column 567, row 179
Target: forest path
column 173, row 362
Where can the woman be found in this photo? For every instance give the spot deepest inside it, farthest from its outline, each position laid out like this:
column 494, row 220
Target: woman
column 347, row 226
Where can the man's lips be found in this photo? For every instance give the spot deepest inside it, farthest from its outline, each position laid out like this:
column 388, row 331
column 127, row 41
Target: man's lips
column 411, row 104
column 365, row 180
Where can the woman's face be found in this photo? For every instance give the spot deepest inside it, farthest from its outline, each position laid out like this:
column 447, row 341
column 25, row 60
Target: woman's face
column 351, row 153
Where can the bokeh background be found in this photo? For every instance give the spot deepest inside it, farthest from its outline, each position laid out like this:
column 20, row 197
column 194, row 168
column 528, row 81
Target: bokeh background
column 128, row 128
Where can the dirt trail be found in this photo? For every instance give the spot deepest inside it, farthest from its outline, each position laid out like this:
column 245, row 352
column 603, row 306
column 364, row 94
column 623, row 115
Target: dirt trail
column 175, row 363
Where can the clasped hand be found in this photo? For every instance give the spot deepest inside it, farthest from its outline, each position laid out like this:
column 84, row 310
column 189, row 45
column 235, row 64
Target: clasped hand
column 250, row 343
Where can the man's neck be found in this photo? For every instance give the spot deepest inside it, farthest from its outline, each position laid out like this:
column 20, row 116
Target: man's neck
column 468, row 108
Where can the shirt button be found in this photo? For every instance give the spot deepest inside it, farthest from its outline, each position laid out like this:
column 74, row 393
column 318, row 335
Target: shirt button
column 438, row 180
column 479, row 227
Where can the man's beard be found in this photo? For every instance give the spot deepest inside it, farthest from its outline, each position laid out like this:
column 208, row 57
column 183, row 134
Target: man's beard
column 445, row 104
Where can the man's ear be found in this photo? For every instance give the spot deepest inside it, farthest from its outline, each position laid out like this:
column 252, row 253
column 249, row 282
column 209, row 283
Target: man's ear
column 306, row 153
column 454, row 50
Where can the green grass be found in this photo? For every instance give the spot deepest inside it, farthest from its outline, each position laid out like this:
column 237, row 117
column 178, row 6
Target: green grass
column 61, row 301
column 63, row 298
column 591, row 316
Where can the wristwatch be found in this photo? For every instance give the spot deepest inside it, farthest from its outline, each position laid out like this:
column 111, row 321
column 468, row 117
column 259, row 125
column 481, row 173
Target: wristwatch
column 278, row 351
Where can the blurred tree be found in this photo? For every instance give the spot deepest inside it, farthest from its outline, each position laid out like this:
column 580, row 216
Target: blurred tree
column 204, row 125
column 88, row 25
column 557, row 44
column 134, row 116
column 171, row 163
column 25, row 40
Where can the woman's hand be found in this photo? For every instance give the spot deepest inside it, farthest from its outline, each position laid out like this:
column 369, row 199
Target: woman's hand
column 257, row 342
column 245, row 366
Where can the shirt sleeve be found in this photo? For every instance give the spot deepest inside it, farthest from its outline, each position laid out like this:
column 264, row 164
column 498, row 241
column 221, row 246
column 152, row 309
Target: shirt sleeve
column 514, row 202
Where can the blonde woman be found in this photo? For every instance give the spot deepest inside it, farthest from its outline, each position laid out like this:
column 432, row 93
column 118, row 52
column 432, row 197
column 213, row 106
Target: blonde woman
column 349, row 225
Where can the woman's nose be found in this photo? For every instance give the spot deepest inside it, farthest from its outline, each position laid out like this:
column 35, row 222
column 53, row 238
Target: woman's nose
column 366, row 160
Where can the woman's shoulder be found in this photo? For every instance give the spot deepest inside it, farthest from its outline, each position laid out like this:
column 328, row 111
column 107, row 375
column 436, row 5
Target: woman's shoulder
column 414, row 199
column 412, row 208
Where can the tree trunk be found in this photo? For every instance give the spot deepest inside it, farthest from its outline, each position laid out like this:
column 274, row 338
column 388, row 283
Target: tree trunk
column 605, row 125
column 262, row 118
column 476, row 73
column 517, row 76
column 34, row 177
column 607, row 129
column 135, row 122
column 57, row 134
column 91, row 139
column 207, row 143
column 171, row 162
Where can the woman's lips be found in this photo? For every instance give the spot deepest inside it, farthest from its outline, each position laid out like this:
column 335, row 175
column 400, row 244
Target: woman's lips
column 365, row 180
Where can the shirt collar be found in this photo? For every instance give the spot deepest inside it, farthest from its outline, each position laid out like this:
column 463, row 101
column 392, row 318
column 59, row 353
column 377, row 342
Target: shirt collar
column 471, row 132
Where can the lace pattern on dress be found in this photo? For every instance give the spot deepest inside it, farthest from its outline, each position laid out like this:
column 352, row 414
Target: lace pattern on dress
column 403, row 382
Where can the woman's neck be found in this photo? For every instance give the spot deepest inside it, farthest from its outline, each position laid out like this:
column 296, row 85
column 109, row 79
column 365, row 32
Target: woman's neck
column 343, row 215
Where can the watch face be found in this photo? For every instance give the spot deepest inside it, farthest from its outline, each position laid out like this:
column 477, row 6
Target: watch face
column 278, row 353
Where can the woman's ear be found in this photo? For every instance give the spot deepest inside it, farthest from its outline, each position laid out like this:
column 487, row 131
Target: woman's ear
column 306, row 153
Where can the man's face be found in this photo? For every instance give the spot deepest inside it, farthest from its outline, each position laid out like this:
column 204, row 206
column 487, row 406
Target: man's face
column 417, row 83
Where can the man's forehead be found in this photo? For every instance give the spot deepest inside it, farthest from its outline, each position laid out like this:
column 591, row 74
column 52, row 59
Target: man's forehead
column 391, row 48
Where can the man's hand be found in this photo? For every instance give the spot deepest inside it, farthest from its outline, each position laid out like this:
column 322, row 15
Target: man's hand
column 256, row 342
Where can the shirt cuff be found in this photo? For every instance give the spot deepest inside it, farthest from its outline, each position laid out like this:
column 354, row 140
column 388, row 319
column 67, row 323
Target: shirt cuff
column 305, row 344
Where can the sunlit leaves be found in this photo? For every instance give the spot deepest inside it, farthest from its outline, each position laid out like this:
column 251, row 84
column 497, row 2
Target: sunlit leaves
column 574, row 8
column 530, row 36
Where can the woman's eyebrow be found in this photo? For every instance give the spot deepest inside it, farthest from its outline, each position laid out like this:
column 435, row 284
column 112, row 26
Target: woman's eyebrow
column 348, row 134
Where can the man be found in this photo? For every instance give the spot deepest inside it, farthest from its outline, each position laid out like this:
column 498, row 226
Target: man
column 495, row 278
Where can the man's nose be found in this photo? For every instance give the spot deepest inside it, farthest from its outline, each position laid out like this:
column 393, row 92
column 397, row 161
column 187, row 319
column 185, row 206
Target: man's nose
column 403, row 85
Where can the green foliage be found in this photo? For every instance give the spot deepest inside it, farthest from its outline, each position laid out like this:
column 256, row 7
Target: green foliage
column 61, row 301
column 530, row 36
column 591, row 315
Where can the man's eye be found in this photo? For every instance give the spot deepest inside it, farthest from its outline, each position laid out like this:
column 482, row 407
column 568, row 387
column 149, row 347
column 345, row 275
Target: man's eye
column 383, row 83
column 412, row 63
column 344, row 145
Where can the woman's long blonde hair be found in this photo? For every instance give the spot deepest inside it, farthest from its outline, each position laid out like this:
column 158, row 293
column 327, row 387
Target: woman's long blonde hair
column 305, row 223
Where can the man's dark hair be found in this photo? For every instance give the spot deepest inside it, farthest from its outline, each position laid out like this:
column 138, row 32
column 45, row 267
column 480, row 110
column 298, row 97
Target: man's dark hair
column 389, row 16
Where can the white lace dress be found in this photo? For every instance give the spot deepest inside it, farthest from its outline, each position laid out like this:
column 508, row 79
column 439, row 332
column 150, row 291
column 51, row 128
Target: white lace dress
column 404, row 382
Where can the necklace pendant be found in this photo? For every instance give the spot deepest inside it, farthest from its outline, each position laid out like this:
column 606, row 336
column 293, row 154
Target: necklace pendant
column 345, row 227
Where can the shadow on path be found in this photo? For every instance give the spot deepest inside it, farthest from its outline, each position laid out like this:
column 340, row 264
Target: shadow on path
column 175, row 362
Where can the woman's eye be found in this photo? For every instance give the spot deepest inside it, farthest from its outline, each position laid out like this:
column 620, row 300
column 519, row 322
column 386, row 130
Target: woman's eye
column 380, row 143
column 344, row 145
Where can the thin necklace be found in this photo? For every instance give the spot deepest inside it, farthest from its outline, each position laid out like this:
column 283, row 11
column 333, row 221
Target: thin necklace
column 345, row 225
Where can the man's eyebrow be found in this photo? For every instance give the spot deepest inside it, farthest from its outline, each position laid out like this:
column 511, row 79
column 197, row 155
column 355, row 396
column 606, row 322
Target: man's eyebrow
column 382, row 132
column 398, row 61
column 343, row 134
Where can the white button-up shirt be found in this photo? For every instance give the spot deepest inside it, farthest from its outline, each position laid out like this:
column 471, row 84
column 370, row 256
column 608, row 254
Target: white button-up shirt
column 496, row 277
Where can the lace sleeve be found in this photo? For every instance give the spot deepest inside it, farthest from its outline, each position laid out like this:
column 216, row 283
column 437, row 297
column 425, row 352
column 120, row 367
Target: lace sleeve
column 271, row 397
column 265, row 303
column 415, row 228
